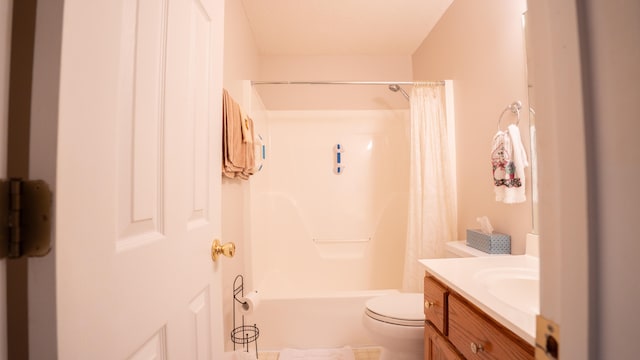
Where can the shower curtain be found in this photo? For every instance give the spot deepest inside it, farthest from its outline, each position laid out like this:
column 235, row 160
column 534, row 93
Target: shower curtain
column 432, row 216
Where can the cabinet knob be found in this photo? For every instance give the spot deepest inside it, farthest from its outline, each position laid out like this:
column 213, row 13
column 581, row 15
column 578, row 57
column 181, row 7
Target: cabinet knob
column 476, row 348
column 428, row 304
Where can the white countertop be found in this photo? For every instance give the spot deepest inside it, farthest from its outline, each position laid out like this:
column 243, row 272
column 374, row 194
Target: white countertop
column 464, row 276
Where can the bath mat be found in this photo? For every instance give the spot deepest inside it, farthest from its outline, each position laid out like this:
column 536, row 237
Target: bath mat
column 240, row 355
column 344, row 353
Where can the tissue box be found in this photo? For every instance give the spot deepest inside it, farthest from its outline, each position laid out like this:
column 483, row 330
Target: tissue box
column 494, row 243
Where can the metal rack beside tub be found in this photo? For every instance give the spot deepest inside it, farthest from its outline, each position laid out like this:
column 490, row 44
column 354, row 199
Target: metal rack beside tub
column 242, row 334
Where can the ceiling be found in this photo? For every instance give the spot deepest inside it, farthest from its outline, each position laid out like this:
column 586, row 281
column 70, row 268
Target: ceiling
column 342, row 27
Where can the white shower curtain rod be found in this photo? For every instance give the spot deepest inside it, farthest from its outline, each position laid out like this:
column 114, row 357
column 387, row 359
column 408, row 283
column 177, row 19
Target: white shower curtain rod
column 345, row 82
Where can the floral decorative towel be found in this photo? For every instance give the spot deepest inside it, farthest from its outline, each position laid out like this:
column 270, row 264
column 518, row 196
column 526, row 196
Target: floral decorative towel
column 508, row 161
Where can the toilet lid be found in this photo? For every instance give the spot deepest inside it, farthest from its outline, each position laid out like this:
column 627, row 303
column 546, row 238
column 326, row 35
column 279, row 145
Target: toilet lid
column 400, row 309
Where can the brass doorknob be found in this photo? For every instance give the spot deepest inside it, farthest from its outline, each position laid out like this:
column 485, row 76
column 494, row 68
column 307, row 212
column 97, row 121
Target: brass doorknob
column 217, row 249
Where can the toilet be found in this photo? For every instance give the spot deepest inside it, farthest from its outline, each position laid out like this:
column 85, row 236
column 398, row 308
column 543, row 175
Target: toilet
column 396, row 323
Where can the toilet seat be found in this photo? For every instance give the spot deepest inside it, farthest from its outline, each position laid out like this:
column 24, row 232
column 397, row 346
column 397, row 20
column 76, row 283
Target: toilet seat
column 404, row 309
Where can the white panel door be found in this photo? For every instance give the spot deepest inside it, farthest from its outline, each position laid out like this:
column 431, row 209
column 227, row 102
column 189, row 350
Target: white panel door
column 137, row 180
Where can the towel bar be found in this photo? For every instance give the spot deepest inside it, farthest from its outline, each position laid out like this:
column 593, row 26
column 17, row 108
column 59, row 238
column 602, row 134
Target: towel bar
column 514, row 107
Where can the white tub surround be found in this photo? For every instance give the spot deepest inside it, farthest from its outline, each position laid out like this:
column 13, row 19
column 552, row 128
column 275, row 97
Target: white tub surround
column 505, row 287
column 341, row 236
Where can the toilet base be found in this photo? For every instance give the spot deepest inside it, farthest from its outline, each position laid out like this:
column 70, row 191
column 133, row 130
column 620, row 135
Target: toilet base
column 396, row 323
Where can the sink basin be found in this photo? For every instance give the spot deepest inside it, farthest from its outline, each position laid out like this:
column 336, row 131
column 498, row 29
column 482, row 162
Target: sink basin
column 516, row 287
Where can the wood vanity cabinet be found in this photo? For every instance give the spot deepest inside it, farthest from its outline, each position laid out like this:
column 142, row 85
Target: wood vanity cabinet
column 456, row 329
column 436, row 345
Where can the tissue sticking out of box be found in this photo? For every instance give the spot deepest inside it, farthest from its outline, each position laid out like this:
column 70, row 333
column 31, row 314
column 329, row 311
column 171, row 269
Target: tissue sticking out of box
column 485, row 224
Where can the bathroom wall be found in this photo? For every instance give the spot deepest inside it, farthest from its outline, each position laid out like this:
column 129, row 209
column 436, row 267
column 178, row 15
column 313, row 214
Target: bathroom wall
column 241, row 59
column 479, row 45
column 240, row 63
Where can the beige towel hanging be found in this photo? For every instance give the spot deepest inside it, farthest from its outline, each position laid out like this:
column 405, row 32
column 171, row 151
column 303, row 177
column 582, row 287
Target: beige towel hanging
column 237, row 140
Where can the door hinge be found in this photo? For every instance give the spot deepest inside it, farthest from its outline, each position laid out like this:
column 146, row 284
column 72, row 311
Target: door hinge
column 25, row 218
column 547, row 339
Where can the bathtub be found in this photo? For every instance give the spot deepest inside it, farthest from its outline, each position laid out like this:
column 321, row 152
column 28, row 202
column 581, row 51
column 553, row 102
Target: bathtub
column 320, row 321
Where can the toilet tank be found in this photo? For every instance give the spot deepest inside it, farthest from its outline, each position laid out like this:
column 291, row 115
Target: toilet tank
column 457, row 249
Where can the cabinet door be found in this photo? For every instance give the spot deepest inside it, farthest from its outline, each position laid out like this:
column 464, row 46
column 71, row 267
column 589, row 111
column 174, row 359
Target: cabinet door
column 436, row 346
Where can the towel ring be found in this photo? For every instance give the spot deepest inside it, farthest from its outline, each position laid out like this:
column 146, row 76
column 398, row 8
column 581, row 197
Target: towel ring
column 514, row 107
